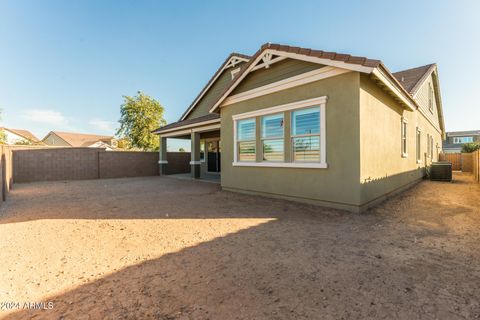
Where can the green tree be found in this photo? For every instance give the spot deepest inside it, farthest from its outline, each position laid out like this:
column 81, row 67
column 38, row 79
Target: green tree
column 470, row 147
column 139, row 116
column 181, row 150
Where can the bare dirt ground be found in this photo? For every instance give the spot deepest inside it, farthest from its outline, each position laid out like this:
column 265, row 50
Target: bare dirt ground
column 159, row 248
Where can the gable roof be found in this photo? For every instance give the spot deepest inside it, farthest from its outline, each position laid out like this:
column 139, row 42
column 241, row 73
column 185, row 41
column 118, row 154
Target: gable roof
column 340, row 60
column 79, row 139
column 412, row 79
column 234, row 56
column 401, row 86
column 22, row 133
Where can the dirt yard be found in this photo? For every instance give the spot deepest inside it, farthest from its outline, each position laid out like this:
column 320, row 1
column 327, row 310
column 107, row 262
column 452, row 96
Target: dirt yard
column 159, row 248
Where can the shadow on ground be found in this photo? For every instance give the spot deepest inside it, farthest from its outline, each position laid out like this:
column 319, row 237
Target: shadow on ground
column 414, row 257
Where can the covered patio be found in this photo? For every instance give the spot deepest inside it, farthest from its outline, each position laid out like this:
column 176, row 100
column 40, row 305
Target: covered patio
column 205, row 146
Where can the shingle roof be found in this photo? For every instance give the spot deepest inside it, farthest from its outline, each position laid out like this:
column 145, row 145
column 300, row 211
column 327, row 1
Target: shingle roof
column 463, row 133
column 210, row 116
column 219, row 70
column 411, row 79
column 80, row 139
column 23, row 133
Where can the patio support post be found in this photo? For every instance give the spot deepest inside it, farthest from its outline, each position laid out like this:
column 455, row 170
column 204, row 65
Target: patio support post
column 162, row 159
column 195, row 158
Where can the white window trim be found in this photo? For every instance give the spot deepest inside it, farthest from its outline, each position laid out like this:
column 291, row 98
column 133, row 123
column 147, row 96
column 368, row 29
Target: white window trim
column 430, row 97
column 404, row 154
column 320, row 101
column 418, row 144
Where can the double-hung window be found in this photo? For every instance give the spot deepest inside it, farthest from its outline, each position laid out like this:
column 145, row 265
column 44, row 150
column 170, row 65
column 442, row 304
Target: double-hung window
column 246, row 139
column 404, row 137
column 431, row 147
column 272, row 137
column 419, row 145
column 306, row 135
column 428, row 145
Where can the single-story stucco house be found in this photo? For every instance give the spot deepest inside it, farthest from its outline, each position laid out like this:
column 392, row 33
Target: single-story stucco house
column 79, row 140
column 313, row 126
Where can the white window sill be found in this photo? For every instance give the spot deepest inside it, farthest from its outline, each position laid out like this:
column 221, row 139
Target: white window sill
column 281, row 165
column 162, row 161
column 404, row 155
column 419, row 161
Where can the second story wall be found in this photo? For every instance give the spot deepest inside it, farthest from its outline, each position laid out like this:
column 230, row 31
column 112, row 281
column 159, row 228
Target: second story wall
column 426, row 98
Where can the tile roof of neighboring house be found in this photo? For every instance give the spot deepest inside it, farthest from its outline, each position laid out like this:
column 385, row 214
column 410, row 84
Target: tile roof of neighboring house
column 411, row 79
column 219, row 70
column 23, row 133
column 463, row 133
column 80, row 139
column 211, row 116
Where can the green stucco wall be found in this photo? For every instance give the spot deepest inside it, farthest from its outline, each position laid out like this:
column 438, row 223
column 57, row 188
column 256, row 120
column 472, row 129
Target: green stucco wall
column 205, row 104
column 338, row 185
column 281, row 70
column 383, row 169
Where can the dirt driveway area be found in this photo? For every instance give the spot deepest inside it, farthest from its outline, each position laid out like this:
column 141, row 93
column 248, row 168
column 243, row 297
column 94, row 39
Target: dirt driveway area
column 159, row 248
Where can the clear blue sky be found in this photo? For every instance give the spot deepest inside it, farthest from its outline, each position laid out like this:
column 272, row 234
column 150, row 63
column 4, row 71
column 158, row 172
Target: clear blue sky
column 64, row 65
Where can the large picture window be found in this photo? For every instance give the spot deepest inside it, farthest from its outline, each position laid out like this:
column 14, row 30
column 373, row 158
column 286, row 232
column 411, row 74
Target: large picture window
column 272, row 137
column 306, row 135
column 291, row 135
column 246, row 139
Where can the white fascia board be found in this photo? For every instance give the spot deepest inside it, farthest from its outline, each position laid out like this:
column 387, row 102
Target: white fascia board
column 226, row 66
column 402, row 96
column 328, row 62
column 198, row 124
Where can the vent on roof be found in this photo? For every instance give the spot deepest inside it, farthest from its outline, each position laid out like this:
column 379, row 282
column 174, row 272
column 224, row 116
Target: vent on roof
column 402, row 79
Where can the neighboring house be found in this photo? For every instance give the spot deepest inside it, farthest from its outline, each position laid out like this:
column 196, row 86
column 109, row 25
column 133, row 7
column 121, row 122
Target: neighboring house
column 456, row 139
column 313, row 126
column 18, row 136
column 70, row 139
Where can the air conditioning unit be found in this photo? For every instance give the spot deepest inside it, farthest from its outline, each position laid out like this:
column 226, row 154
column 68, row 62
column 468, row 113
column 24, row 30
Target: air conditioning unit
column 441, row 171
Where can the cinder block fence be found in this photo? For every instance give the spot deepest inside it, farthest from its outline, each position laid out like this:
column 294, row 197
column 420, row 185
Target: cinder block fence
column 30, row 163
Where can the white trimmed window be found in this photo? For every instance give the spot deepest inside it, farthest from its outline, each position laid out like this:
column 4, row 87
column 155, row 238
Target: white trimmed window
column 306, row 135
column 306, row 139
column 431, row 147
column 272, row 137
column 419, row 145
column 458, row 140
column 430, row 97
column 404, row 137
column 428, row 145
column 246, row 139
